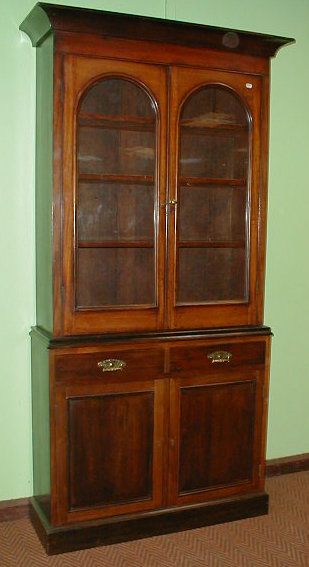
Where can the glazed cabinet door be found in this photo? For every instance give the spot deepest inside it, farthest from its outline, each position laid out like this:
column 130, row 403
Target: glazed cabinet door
column 108, row 454
column 114, row 148
column 217, row 192
column 216, row 441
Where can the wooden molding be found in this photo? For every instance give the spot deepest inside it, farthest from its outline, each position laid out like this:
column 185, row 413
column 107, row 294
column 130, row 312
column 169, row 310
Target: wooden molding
column 86, row 534
column 286, row 465
column 47, row 18
column 20, row 508
column 14, row 509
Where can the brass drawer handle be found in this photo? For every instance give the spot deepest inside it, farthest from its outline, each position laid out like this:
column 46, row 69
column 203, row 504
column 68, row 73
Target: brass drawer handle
column 219, row 356
column 111, row 364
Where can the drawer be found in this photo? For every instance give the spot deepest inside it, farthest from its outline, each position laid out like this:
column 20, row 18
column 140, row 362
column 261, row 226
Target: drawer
column 216, row 357
column 110, row 365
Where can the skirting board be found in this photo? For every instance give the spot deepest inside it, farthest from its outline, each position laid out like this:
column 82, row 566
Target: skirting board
column 14, row 509
column 286, row 465
column 20, row 508
column 108, row 531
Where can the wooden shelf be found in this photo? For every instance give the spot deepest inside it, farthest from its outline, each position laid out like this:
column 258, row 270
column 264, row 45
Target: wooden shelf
column 219, row 130
column 196, row 181
column 211, row 244
column 115, row 244
column 116, row 121
column 116, row 178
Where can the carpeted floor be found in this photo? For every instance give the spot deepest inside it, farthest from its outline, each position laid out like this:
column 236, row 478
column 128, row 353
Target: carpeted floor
column 280, row 539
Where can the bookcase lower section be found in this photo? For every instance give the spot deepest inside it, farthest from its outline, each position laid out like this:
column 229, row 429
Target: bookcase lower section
column 83, row 535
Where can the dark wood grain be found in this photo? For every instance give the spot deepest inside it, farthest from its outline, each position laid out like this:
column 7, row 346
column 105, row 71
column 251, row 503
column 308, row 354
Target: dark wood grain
column 195, row 181
column 140, row 363
column 220, row 419
column 106, row 532
column 110, row 457
column 80, row 89
column 104, row 471
column 109, row 24
column 114, row 244
column 194, row 358
column 14, row 509
column 287, row 465
column 20, row 508
column 126, row 187
column 152, row 214
column 116, row 178
column 211, row 244
column 94, row 339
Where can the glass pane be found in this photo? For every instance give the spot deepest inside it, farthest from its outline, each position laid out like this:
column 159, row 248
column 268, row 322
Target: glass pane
column 115, row 211
column 105, row 150
column 221, row 213
column 213, row 198
column 105, row 276
column 115, row 217
column 213, row 154
column 214, row 139
column 116, row 96
column 116, row 129
column 216, row 274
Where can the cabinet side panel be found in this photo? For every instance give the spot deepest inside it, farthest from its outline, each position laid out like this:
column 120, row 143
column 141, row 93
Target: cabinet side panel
column 44, row 128
column 40, row 417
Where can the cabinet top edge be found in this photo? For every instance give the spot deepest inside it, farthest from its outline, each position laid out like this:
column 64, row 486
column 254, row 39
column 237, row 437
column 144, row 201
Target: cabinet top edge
column 82, row 340
column 51, row 18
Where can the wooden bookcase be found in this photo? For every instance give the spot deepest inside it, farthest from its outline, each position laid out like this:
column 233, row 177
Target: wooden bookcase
column 150, row 359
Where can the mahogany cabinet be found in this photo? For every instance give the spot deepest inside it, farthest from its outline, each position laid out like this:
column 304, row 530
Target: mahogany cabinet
column 150, row 359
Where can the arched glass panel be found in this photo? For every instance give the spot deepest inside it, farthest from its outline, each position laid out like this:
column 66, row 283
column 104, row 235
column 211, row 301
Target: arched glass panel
column 212, row 243
column 116, row 141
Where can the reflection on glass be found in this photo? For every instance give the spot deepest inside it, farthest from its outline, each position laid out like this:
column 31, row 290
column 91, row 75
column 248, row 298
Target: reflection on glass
column 116, row 141
column 213, row 201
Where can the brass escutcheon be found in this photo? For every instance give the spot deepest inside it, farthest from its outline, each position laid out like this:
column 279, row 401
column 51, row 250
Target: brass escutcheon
column 219, row 356
column 111, row 364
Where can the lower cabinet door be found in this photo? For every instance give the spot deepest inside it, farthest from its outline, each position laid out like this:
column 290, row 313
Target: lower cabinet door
column 216, row 440
column 109, row 443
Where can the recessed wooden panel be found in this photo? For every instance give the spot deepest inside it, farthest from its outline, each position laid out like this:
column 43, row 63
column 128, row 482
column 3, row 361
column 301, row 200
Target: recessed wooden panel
column 110, row 449
column 216, row 435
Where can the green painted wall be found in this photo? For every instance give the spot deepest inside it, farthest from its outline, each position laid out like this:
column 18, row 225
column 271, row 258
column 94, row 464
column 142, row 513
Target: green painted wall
column 287, row 281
